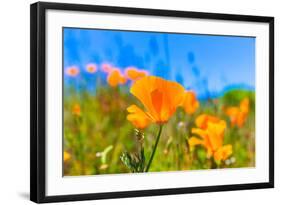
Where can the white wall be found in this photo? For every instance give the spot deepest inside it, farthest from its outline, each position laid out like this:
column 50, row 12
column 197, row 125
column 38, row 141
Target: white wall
column 14, row 100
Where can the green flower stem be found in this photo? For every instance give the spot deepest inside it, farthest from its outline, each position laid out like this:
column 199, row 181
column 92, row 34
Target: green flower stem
column 154, row 148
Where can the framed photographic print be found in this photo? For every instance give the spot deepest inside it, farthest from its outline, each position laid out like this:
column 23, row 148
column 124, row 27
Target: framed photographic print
column 129, row 102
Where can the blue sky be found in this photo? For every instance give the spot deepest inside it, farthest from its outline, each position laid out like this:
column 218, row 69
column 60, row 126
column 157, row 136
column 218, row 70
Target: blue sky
column 208, row 64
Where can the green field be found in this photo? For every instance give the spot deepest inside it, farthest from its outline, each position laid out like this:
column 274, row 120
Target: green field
column 98, row 139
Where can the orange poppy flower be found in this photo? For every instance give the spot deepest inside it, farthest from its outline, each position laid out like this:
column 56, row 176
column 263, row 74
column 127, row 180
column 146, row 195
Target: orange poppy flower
column 138, row 117
column 203, row 119
column 211, row 132
column 134, row 74
column 76, row 110
column 223, row 153
column 115, row 78
column 72, row 71
column 238, row 115
column 91, row 68
column 66, row 156
column 244, row 105
column 160, row 98
column 190, row 103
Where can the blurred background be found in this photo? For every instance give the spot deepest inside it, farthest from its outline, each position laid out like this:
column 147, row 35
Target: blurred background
column 219, row 69
column 207, row 64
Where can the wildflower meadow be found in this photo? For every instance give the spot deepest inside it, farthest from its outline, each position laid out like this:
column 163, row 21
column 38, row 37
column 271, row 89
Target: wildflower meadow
column 152, row 102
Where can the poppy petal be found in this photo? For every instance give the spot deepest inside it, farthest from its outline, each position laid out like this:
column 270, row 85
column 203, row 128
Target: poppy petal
column 138, row 117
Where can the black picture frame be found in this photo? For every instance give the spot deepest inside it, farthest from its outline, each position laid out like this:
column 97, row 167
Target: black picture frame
column 38, row 100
